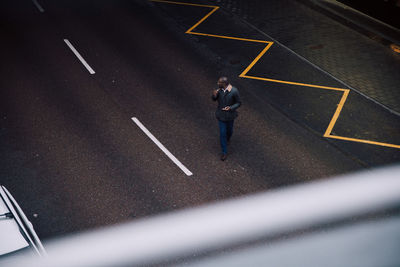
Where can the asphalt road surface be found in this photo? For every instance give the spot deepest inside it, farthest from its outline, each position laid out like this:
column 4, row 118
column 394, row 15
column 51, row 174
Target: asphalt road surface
column 75, row 160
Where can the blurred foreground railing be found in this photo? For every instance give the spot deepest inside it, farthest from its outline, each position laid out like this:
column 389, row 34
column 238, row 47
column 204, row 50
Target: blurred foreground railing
column 229, row 223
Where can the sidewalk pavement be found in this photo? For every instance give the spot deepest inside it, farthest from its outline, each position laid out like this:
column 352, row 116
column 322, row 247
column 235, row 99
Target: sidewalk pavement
column 338, row 45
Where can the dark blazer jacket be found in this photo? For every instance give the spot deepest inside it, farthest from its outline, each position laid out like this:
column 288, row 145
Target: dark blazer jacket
column 229, row 98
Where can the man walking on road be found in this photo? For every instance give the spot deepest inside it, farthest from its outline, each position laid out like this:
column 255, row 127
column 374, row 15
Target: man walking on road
column 228, row 102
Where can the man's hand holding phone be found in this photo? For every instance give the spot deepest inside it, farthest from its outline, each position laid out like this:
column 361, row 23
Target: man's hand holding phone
column 215, row 92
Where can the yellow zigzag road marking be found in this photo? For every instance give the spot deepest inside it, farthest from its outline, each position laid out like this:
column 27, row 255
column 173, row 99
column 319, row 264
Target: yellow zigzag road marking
column 248, row 68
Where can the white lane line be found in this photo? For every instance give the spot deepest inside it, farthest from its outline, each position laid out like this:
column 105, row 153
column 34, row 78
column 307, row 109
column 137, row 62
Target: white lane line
column 38, row 6
column 83, row 61
column 165, row 150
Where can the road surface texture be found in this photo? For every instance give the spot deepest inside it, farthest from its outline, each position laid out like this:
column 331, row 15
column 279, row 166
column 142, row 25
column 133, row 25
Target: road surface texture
column 74, row 158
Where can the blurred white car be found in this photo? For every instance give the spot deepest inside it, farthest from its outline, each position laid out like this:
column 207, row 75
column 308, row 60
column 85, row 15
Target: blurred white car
column 16, row 231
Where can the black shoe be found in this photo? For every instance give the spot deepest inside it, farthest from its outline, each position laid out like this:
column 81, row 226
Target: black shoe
column 223, row 157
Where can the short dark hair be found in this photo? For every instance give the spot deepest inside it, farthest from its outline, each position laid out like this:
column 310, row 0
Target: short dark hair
column 224, row 79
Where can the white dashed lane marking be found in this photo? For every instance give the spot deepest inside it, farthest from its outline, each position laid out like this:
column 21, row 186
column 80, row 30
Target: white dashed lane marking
column 35, row 2
column 83, row 61
column 163, row 148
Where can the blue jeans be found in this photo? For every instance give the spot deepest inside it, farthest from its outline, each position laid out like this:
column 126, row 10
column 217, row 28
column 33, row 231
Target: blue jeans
column 225, row 133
